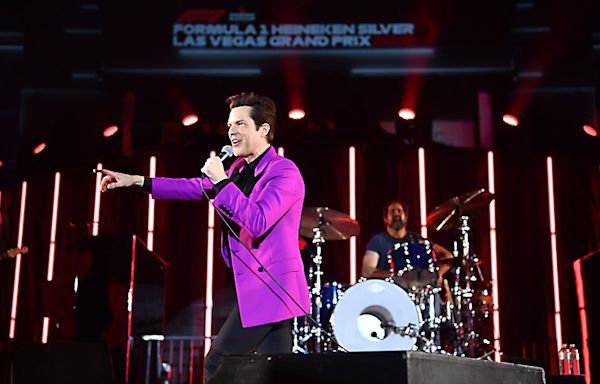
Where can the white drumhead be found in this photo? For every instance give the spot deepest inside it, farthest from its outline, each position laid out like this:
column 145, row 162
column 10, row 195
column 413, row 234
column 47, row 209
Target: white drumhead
column 359, row 316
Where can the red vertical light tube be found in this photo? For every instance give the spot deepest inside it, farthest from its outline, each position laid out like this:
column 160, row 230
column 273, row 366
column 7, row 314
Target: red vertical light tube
column 583, row 320
column 130, row 307
column 191, row 366
column 352, row 198
column 422, row 192
column 45, row 330
column 52, row 248
column 553, row 247
column 494, row 257
column 96, row 220
column 151, row 201
column 15, row 296
column 208, row 305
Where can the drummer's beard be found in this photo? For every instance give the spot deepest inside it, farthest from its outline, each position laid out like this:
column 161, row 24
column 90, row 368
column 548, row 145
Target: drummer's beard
column 397, row 225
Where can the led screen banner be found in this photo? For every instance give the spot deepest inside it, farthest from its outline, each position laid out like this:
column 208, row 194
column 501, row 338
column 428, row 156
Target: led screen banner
column 220, row 28
column 336, row 36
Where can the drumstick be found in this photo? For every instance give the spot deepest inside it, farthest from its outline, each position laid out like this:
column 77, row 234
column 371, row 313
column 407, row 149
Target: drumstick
column 448, row 293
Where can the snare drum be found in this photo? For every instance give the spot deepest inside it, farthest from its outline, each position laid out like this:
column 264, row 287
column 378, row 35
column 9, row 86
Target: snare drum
column 413, row 264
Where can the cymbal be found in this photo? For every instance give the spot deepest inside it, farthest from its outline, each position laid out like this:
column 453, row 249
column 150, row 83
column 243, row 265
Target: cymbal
column 447, row 215
column 334, row 225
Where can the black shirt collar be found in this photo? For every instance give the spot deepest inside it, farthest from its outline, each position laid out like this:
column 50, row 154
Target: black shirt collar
column 254, row 163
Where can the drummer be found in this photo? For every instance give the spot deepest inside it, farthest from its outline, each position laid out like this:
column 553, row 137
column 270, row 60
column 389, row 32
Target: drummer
column 375, row 263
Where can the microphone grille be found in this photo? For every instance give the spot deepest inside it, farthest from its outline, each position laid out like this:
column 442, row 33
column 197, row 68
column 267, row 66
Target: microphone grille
column 228, row 150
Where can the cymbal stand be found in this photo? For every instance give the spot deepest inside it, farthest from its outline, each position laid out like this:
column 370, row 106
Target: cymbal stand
column 466, row 274
column 299, row 332
column 304, row 330
column 462, row 289
column 315, row 291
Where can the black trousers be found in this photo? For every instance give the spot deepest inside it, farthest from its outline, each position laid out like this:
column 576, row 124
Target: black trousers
column 233, row 338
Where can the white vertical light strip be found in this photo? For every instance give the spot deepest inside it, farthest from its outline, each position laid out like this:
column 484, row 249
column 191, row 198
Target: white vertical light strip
column 45, row 330
column 208, row 305
column 15, row 296
column 52, row 250
column 281, row 151
column 96, row 221
column 352, row 187
column 422, row 193
column 151, row 201
column 494, row 257
column 553, row 247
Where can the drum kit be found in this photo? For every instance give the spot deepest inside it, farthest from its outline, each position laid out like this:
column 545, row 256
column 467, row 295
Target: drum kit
column 409, row 310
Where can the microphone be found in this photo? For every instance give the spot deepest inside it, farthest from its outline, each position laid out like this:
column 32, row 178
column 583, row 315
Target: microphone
column 226, row 152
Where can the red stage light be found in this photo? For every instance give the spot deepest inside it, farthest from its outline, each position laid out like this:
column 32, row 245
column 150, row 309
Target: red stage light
column 296, row 114
column 189, row 120
column 407, row 114
column 510, row 120
column 1, row 163
column 109, row 131
column 590, row 130
column 40, row 147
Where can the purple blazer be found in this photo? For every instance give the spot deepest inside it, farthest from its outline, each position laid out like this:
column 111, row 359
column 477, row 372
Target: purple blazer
column 269, row 219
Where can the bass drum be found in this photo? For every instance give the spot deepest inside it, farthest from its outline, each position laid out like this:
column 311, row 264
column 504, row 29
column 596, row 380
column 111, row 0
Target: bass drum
column 373, row 316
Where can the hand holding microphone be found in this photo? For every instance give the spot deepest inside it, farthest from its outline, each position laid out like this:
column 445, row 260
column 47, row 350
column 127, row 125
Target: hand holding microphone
column 213, row 167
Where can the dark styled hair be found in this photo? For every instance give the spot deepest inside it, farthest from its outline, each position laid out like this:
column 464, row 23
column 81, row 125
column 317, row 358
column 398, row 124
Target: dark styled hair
column 390, row 202
column 263, row 109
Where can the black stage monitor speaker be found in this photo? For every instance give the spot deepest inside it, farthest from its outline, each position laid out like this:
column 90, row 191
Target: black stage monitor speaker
column 370, row 367
column 64, row 363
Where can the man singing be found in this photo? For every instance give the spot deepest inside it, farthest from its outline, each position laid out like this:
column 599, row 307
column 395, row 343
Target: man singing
column 261, row 197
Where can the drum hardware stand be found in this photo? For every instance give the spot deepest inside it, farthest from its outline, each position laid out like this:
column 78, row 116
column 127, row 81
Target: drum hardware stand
column 456, row 213
column 320, row 224
column 486, row 356
column 297, row 340
column 462, row 291
column 318, row 240
column 301, row 338
column 425, row 300
column 411, row 330
column 467, row 273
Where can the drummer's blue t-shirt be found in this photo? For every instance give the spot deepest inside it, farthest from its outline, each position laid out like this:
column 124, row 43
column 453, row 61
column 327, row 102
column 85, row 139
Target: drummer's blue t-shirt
column 383, row 242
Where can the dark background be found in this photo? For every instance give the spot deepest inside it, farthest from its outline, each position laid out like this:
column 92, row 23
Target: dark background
column 70, row 68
